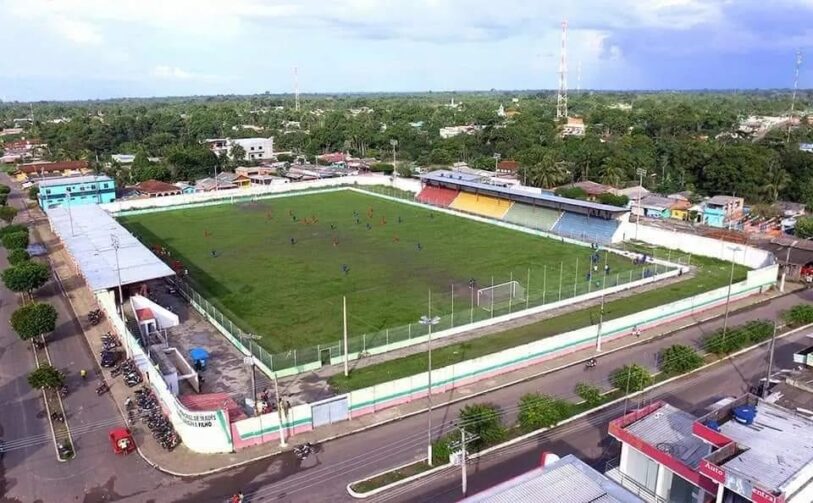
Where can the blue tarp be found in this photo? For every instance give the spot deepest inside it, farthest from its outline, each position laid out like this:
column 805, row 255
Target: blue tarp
column 198, row 354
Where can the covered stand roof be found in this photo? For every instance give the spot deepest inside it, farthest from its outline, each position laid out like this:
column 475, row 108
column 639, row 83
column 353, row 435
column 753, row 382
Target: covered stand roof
column 88, row 233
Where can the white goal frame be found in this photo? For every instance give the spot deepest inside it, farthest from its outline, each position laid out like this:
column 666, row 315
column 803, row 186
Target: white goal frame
column 499, row 295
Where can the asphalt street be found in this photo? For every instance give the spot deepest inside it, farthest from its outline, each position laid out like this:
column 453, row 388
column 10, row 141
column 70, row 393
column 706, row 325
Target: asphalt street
column 323, row 477
column 30, row 470
column 587, row 438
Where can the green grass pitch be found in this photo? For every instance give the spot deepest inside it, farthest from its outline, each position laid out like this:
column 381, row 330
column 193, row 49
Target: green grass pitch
column 291, row 294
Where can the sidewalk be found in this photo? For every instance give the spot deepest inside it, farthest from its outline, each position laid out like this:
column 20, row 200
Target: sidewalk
column 182, row 462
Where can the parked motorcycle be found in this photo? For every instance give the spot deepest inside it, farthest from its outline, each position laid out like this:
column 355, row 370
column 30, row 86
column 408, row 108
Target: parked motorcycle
column 57, row 417
column 102, row 388
column 303, row 451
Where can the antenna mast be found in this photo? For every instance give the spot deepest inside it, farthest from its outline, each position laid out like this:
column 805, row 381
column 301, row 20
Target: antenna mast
column 795, row 89
column 296, row 89
column 561, row 99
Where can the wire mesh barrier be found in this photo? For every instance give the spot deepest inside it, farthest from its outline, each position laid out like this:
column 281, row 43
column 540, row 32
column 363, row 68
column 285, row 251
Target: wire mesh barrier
column 461, row 305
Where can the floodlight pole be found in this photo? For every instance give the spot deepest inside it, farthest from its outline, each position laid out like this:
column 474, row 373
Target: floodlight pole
column 344, row 315
column 641, row 172
column 114, row 240
column 429, row 321
column 601, row 311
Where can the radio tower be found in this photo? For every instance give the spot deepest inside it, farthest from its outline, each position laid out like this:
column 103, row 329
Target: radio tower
column 795, row 89
column 561, row 99
column 296, row 89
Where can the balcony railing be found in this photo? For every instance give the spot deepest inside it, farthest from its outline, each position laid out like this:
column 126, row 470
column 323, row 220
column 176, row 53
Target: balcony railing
column 613, row 471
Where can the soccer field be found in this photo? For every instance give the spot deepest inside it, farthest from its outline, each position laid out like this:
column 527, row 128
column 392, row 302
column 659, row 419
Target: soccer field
column 279, row 267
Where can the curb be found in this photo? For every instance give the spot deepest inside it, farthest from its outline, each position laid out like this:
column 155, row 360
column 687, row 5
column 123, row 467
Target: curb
column 581, row 415
column 467, row 397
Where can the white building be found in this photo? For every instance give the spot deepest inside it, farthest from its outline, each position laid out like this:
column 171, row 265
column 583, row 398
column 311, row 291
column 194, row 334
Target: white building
column 257, row 149
column 452, row 131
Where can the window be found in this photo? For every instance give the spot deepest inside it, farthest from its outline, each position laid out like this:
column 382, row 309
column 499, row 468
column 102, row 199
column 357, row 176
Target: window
column 47, row 191
column 92, row 187
column 252, row 148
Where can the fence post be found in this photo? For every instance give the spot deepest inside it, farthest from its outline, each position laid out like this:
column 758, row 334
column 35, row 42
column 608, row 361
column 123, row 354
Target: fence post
column 364, row 343
column 387, row 335
column 409, row 332
column 294, row 357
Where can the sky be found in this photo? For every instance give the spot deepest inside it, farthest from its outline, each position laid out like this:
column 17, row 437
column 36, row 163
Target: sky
column 89, row 49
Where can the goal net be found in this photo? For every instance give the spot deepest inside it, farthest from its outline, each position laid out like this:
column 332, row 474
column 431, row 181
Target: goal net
column 497, row 296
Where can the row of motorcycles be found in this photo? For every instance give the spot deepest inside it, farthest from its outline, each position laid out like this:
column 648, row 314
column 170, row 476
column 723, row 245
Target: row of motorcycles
column 127, row 369
column 146, row 408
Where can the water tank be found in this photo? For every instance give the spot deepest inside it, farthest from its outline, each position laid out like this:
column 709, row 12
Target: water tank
column 745, row 414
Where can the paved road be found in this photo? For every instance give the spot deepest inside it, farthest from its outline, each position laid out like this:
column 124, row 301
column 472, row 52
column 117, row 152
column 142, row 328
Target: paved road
column 31, row 472
column 323, row 477
column 588, row 439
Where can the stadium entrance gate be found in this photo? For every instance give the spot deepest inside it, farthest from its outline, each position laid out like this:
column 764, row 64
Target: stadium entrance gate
column 330, row 411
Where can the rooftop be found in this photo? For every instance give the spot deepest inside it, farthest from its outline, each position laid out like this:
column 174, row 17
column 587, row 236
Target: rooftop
column 41, row 167
column 592, row 188
column 73, row 180
column 777, row 445
column 669, row 429
column 157, row 187
column 723, row 200
column 87, row 233
column 568, row 479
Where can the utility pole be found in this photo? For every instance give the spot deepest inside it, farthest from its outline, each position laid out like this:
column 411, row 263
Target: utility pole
column 496, row 160
column 296, row 89
column 734, row 249
column 279, row 412
column 795, row 89
column 770, row 362
column 465, row 439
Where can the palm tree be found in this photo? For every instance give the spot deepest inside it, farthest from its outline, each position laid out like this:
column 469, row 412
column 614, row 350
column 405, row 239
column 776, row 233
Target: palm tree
column 776, row 179
column 612, row 173
column 547, row 173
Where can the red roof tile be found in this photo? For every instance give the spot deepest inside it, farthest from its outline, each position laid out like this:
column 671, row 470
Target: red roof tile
column 48, row 167
column 157, row 187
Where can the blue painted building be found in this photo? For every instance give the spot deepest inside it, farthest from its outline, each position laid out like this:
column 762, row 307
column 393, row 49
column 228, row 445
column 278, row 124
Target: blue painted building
column 76, row 191
column 723, row 211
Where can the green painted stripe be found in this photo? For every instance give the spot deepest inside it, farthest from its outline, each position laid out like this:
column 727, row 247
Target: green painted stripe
column 274, row 428
column 538, row 354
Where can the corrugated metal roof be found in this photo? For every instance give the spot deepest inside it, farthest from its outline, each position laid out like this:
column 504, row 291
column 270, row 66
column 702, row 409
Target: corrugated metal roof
column 88, row 233
column 779, row 444
column 73, row 180
column 670, row 430
column 567, row 480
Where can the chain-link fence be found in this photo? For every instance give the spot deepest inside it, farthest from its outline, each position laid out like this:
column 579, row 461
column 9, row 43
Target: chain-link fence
column 454, row 308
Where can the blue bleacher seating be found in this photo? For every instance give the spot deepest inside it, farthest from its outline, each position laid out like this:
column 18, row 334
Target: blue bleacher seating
column 592, row 229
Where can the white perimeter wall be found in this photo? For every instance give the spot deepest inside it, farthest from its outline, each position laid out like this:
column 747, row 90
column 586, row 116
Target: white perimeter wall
column 201, row 431
column 164, row 317
column 699, row 245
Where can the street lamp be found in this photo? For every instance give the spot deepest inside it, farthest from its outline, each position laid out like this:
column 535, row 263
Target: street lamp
column 496, row 160
column 429, row 321
column 114, row 241
column 394, row 144
column 734, row 249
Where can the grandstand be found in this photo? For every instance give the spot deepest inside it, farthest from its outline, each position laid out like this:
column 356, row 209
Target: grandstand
column 437, row 196
column 533, row 217
column 583, row 220
column 486, row 206
column 582, row 227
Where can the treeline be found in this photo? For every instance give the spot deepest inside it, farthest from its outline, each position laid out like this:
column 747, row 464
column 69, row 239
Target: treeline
column 682, row 140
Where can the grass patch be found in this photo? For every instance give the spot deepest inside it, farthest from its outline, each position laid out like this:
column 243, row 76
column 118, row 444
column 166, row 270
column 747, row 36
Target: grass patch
column 711, row 274
column 383, row 255
column 384, row 479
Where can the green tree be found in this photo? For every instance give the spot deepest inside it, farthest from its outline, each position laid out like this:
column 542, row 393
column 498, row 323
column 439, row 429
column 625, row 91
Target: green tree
column 590, row 394
column 678, row 359
column 804, row 227
column 33, row 320
column 25, row 277
column 10, row 229
column 4, row 189
column 613, row 200
column 7, row 213
column 571, row 192
column 542, row 411
column 46, row 377
column 404, row 170
column 776, row 179
column 285, row 157
column 631, row 378
column 798, row 315
column 485, row 421
column 15, row 240
column 33, row 193
column 17, row 256
column 238, row 154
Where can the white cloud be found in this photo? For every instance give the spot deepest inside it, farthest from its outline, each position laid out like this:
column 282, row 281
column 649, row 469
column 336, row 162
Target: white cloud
column 170, row 72
column 78, row 32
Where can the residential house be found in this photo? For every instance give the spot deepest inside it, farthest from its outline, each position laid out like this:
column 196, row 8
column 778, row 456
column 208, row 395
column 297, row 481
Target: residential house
column 249, row 171
column 48, row 169
column 236, row 179
column 452, row 131
column 186, row 187
column 267, row 179
column 593, row 189
column 157, row 188
column 720, row 211
column 76, row 191
column 256, row 149
column 681, row 209
column 806, row 147
column 790, row 209
column 20, row 150
column 654, row 206
column 209, row 184
column 508, row 167
column 248, row 126
column 634, row 194
column 11, row 131
column 333, row 158
column 123, row 159
column 574, row 127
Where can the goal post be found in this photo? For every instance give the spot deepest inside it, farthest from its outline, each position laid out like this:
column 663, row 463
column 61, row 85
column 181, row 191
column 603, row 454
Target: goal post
column 500, row 295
